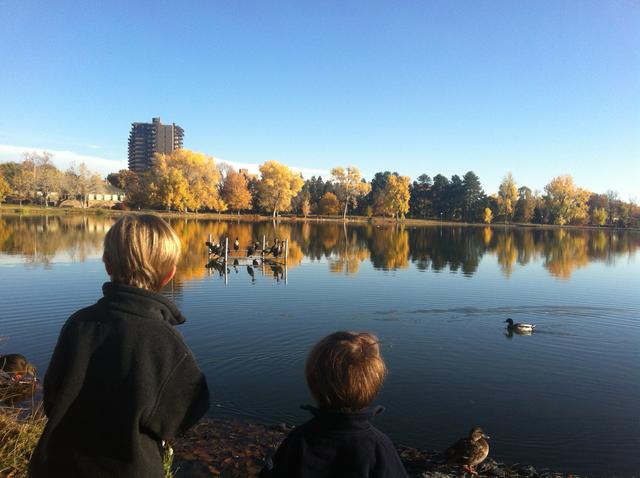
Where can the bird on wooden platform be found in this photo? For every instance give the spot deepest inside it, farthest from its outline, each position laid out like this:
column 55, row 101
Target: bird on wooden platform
column 236, row 245
column 213, row 248
column 16, row 367
column 469, row 452
column 251, row 250
column 276, row 249
column 519, row 328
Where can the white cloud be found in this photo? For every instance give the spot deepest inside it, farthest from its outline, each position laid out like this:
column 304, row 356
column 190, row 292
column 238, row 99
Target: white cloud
column 63, row 158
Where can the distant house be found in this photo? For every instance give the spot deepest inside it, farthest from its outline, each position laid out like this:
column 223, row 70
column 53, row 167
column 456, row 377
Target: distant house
column 110, row 194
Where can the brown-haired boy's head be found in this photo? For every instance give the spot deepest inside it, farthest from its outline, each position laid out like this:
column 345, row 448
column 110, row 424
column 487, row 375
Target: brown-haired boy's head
column 141, row 251
column 345, row 371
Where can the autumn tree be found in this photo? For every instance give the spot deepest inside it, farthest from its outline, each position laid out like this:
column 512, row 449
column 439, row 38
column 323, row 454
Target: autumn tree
column 5, row 189
column 136, row 187
column 277, row 187
column 47, row 178
column 329, row 205
column 396, row 196
column 349, row 186
column 186, row 180
column 599, row 216
column 235, row 192
column 305, row 205
column 80, row 181
column 488, row 216
column 23, row 180
column 566, row 202
column 507, row 197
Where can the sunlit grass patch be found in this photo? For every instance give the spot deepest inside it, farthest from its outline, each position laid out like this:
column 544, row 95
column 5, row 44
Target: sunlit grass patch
column 19, row 433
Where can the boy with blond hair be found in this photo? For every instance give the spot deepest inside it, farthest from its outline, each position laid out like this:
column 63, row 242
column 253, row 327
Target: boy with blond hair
column 344, row 372
column 121, row 379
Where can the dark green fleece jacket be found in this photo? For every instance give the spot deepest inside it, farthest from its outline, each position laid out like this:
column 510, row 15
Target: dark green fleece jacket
column 120, row 380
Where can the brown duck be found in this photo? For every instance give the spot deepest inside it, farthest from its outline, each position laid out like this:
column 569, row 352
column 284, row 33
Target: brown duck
column 469, row 452
column 16, row 366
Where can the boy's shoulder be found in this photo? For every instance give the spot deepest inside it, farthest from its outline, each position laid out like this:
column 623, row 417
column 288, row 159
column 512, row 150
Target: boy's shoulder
column 156, row 322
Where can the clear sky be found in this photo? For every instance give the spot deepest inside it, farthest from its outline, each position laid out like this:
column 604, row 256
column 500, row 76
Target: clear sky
column 538, row 88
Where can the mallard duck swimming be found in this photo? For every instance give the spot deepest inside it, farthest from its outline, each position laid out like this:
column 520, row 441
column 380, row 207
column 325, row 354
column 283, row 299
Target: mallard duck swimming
column 519, row 327
column 469, row 452
column 16, row 366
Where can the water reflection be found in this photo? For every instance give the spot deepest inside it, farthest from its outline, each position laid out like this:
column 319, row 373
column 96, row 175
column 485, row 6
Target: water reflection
column 42, row 240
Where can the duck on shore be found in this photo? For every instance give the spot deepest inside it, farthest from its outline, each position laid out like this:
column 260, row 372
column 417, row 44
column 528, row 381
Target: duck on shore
column 469, row 452
column 17, row 367
column 517, row 327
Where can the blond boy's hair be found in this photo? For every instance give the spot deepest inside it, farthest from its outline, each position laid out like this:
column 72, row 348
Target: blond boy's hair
column 345, row 371
column 141, row 250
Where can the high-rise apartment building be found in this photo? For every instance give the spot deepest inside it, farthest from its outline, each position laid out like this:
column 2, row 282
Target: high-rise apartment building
column 146, row 139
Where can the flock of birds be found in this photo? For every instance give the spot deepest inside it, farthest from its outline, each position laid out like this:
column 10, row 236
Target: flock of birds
column 467, row 452
column 217, row 250
column 276, row 250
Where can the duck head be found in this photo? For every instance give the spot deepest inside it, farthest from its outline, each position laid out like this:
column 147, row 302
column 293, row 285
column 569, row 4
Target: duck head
column 509, row 321
column 477, row 434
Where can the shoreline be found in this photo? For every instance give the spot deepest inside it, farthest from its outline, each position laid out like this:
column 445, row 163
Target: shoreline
column 238, row 448
column 14, row 210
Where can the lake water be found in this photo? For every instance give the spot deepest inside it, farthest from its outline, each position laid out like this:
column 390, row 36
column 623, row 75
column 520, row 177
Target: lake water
column 567, row 397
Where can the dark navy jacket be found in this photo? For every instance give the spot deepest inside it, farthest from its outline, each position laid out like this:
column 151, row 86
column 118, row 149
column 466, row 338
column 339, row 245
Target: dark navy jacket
column 120, row 380
column 336, row 444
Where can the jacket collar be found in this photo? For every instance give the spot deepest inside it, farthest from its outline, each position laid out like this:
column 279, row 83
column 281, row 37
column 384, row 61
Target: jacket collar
column 343, row 420
column 141, row 302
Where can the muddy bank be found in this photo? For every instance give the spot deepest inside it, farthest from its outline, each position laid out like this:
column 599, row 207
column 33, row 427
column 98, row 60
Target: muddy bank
column 231, row 448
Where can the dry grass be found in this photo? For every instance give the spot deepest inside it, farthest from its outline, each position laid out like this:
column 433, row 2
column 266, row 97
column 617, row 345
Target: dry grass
column 20, row 430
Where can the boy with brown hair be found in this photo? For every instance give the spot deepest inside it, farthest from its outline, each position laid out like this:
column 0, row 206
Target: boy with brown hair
column 121, row 378
column 344, row 372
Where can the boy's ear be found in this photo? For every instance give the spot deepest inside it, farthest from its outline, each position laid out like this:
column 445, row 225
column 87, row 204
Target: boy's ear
column 107, row 266
column 168, row 277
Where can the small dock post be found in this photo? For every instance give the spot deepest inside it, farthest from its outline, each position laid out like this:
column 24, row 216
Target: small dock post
column 226, row 251
column 264, row 241
column 286, row 250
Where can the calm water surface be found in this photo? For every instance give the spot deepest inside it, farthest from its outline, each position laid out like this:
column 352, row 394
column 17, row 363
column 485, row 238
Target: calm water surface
column 567, row 398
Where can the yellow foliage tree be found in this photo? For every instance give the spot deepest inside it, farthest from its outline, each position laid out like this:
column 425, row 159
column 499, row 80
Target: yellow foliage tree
column 600, row 216
column 350, row 186
column 488, row 216
column 396, row 196
column 507, row 197
column 4, row 189
column 328, row 204
column 186, row 181
column 235, row 191
column 277, row 187
column 566, row 202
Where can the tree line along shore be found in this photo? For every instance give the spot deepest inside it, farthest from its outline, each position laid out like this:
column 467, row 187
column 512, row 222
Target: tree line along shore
column 190, row 182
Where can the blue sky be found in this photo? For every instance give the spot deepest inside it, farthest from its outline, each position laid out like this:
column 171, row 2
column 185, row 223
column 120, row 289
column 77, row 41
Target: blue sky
column 538, row 88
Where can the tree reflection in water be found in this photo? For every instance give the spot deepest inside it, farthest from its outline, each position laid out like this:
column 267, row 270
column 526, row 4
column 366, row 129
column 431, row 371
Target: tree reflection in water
column 43, row 240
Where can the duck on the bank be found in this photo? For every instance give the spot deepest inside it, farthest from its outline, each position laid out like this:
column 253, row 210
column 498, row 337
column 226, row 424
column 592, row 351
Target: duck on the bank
column 255, row 262
column 236, row 245
column 519, row 327
column 251, row 250
column 469, row 452
column 16, row 367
